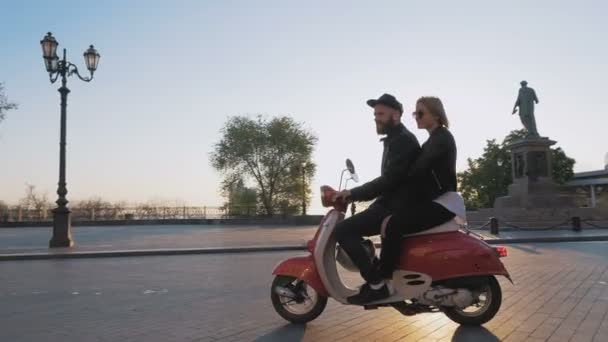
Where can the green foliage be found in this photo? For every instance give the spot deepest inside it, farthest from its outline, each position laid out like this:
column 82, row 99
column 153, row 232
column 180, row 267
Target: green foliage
column 269, row 154
column 240, row 200
column 240, row 195
column 562, row 166
column 489, row 176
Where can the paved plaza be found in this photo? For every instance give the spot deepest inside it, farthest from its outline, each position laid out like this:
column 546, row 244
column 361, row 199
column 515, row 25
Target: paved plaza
column 94, row 238
column 560, row 294
column 112, row 238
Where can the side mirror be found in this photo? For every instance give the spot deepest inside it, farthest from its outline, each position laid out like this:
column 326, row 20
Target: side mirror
column 351, row 168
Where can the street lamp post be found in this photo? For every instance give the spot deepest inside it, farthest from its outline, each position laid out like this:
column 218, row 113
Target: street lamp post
column 62, row 228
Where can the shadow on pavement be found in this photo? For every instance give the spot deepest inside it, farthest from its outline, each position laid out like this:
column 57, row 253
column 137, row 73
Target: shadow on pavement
column 289, row 332
column 477, row 334
column 527, row 249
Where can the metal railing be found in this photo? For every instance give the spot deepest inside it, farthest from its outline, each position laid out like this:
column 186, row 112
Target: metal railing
column 139, row 213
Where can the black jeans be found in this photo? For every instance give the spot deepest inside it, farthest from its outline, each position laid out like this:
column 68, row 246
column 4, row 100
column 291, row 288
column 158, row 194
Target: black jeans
column 349, row 235
column 416, row 219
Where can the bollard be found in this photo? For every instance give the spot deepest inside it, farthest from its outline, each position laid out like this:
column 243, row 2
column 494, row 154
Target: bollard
column 576, row 223
column 493, row 225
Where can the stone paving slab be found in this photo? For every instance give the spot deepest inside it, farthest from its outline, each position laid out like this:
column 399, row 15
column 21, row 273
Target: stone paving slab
column 560, row 294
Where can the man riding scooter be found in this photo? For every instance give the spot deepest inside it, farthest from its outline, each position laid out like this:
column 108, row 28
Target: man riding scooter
column 434, row 264
column 391, row 191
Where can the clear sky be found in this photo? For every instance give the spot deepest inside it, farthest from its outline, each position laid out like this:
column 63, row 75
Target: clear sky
column 171, row 72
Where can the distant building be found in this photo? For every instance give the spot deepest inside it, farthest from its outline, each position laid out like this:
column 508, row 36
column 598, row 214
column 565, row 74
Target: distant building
column 594, row 184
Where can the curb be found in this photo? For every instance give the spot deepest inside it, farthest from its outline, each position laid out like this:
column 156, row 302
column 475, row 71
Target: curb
column 252, row 249
column 149, row 252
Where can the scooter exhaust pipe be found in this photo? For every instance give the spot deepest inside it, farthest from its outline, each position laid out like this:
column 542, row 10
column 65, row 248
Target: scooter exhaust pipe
column 284, row 292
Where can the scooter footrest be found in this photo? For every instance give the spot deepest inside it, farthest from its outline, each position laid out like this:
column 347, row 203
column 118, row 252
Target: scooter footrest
column 410, row 309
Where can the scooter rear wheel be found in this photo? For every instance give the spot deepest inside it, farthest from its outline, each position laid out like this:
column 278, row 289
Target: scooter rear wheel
column 304, row 307
column 487, row 306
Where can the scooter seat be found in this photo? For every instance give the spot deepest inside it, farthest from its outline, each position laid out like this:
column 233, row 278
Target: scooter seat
column 451, row 226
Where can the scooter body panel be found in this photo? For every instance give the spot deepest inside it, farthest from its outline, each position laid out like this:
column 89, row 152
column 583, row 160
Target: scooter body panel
column 450, row 255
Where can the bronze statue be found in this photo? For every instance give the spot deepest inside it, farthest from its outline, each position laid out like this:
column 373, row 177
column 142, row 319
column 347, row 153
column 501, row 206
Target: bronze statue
column 525, row 102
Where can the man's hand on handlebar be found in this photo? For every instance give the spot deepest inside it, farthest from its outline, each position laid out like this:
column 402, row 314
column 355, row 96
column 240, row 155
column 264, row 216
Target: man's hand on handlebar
column 343, row 196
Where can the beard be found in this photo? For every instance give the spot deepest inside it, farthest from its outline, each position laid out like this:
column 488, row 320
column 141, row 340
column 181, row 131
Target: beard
column 383, row 127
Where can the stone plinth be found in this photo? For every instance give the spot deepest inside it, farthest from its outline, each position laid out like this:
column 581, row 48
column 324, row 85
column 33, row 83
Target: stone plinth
column 533, row 185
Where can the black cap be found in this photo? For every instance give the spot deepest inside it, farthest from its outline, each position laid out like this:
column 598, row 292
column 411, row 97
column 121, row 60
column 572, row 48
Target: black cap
column 387, row 100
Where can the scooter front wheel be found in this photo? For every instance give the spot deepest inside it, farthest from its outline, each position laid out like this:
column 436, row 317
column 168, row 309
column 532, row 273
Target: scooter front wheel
column 295, row 301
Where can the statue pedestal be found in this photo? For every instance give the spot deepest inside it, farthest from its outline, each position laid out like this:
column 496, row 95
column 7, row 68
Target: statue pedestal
column 533, row 186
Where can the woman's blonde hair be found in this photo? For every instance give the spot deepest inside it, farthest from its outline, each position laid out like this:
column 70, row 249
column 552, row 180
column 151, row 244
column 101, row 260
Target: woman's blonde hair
column 435, row 107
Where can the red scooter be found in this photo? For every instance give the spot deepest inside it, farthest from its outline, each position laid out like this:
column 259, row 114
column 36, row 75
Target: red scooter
column 443, row 269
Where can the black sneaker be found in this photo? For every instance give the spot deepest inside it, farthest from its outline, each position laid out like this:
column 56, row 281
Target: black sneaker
column 368, row 295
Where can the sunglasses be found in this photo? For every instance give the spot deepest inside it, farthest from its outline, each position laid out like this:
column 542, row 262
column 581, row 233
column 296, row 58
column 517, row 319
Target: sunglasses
column 418, row 114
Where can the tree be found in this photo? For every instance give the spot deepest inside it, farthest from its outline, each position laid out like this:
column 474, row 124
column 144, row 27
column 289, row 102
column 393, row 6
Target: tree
column 92, row 208
column 34, row 200
column 489, row 176
column 37, row 205
column 160, row 209
column 268, row 153
column 93, row 203
column 240, row 200
column 4, row 208
column 4, row 104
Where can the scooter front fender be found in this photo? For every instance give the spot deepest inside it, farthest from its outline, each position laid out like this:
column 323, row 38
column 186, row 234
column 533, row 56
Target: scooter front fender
column 302, row 268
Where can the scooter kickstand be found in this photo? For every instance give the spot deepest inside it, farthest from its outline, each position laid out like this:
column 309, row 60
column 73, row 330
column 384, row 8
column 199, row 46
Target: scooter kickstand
column 407, row 309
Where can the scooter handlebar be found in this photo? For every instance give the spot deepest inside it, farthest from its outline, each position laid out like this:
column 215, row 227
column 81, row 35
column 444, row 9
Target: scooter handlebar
column 327, row 199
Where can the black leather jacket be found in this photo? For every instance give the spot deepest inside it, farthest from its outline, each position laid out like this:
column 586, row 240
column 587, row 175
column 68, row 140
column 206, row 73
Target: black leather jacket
column 392, row 190
column 438, row 158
